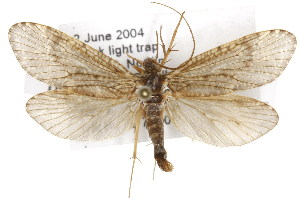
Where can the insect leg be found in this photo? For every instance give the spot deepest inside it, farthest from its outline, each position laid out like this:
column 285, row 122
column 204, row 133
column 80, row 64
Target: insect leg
column 156, row 57
column 140, row 70
column 154, row 169
column 194, row 47
column 171, row 46
column 136, row 136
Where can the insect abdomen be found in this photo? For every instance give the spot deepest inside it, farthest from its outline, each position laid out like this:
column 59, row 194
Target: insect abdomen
column 154, row 124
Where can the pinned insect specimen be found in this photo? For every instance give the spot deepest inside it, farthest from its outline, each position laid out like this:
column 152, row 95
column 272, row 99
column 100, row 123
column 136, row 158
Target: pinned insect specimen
column 98, row 98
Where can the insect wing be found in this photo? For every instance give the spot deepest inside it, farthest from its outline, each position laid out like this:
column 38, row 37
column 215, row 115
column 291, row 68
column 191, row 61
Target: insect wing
column 245, row 63
column 227, row 120
column 83, row 118
column 59, row 60
column 96, row 100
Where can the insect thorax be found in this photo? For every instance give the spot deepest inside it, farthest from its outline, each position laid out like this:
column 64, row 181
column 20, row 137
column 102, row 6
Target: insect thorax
column 152, row 77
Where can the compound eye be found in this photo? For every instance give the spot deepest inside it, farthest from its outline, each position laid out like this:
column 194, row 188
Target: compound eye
column 144, row 93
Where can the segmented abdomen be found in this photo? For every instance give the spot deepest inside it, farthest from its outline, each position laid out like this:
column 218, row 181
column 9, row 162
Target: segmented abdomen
column 154, row 124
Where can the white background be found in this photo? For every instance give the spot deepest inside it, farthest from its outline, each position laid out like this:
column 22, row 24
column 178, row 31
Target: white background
column 36, row 165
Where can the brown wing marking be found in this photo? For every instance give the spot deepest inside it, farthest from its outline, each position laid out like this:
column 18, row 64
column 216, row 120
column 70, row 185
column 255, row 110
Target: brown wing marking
column 59, row 60
column 245, row 63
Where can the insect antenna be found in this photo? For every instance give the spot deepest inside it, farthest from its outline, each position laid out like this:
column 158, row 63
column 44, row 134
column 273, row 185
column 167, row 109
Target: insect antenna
column 190, row 29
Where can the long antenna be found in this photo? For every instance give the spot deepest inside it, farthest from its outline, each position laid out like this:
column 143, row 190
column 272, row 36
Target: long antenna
column 194, row 42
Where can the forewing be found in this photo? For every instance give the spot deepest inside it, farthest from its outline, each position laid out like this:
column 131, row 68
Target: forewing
column 227, row 120
column 59, row 60
column 245, row 63
column 83, row 118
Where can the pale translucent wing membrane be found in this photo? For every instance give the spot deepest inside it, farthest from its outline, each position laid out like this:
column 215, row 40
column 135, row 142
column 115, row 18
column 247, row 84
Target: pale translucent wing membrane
column 245, row 63
column 60, row 60
column 227, row 120
column 83, row 118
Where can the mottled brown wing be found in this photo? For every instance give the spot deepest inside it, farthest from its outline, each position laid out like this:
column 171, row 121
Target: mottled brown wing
column 227, row 120
column 59, row 60
column 245, row 63
column 82, row 118
column 96, row 100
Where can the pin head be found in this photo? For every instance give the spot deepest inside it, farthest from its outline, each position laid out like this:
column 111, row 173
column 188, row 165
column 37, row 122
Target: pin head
column 144, row 93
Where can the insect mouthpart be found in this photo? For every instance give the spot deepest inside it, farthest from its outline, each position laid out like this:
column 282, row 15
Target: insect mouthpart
column 144, row 93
